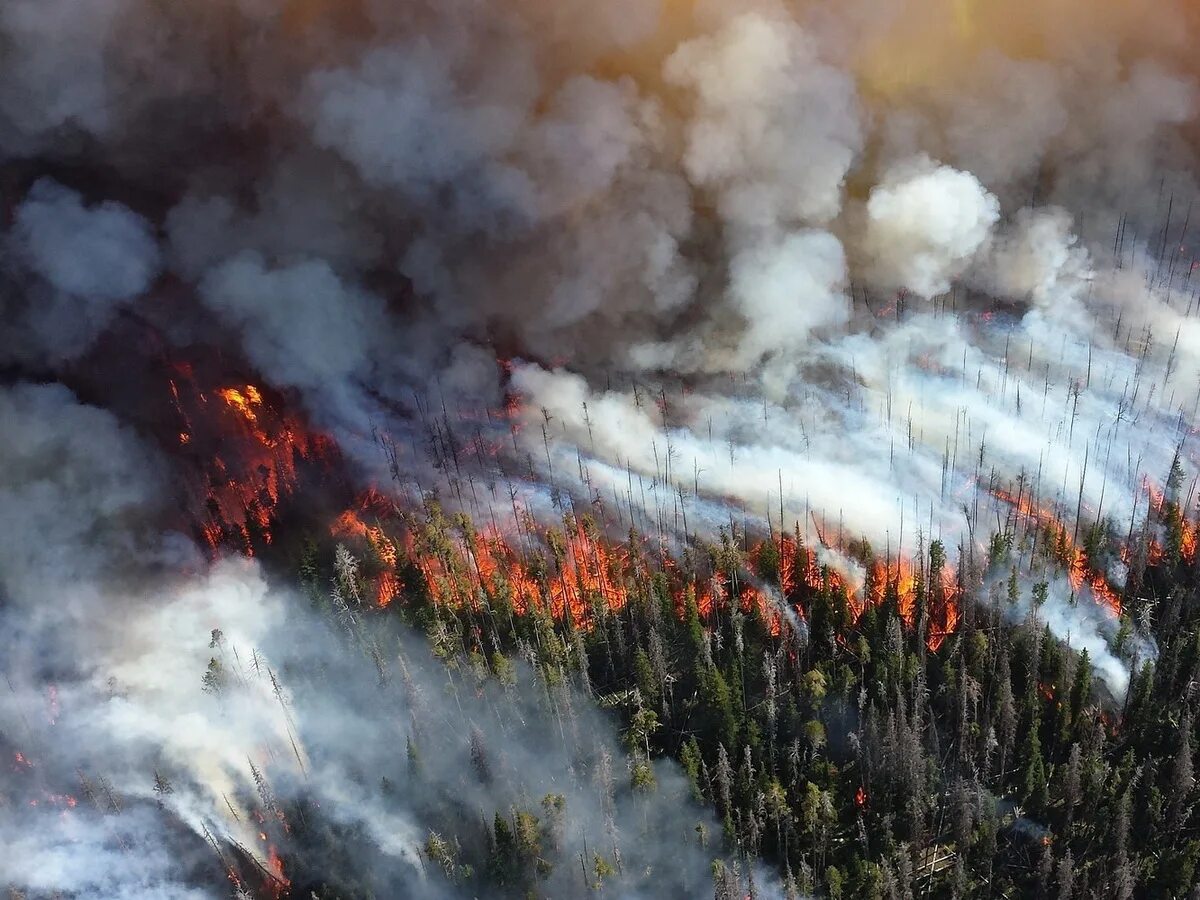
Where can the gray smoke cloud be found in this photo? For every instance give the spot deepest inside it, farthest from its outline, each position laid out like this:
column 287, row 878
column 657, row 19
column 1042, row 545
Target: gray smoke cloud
column 105, row 254
column 72, row 267
column 301, row 324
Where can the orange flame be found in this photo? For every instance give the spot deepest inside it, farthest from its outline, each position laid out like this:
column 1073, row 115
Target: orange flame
column 902, row 578
column 350, row 524
column 1064, row 547
column 755, row 601
column 275, row 867
column 243, row 401
column 254, row 451
column 586, row 573
column 1187, row 529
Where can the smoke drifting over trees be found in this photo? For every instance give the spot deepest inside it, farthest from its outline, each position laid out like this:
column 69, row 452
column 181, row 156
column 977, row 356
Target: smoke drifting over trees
column 869, row 277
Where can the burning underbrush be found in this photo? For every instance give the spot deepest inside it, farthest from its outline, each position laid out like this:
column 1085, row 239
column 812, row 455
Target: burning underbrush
column 1060, row 544
column 244, row 454
column 575, row 574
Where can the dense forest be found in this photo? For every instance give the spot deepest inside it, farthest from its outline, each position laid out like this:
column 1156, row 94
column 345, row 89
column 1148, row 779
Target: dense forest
column 826, row 736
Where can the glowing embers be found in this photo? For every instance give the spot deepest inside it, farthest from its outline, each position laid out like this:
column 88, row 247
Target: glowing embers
column 280, row 882
column 31, row 790
column 248, row 452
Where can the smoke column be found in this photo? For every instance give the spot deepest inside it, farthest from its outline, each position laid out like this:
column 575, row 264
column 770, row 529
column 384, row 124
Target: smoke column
column 886, row 272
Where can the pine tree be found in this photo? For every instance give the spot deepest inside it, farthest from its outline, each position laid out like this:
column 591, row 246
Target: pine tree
column 1072, row 783
column 1033, row 776
column 1066, row 876
column 479, row 757
column 1081, row 690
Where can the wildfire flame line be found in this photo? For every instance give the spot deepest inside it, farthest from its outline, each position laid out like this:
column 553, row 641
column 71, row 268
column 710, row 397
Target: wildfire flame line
column 1065, row 549
column 589, row 573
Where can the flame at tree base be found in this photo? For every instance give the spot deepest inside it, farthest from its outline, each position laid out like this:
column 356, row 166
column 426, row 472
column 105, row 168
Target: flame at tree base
column 576, row 575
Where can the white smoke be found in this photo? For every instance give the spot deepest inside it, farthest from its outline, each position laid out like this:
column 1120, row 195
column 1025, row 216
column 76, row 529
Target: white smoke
column 1039, row 260
column 925, row 223
column 775, row 129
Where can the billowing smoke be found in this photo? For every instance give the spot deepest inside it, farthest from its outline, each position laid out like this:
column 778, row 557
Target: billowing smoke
column 1038, row 259
column 72, row 267
column 301, row 326
column 889, row 273
column 774, row 129
column 925, row 224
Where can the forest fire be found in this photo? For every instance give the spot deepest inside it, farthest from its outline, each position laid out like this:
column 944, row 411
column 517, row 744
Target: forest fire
column 350, row 524
column 243, row 401
column 946, row 623
column 586, row 571
column 557, row 448
column 1179, row 528
column 280, row 882
column 715, row 596
column 899, row 580
column 257, row 447
column 1063, row 546
column 906, row 583
column 247, row 453
column 457, row 571
column 582, row 573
